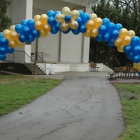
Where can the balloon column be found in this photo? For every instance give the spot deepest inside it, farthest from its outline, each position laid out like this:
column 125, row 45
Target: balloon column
column 77, row 22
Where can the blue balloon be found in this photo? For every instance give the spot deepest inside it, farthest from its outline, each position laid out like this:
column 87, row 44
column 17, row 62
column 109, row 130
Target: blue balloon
column 118, row 26
column 102, row 29
column 127, row 49
column 2, row 56
column 22, row 38
column 1, row 35
column 35, row 33
column 18, row 28
column 136, row 58
column 50, row 13
column 111, row 43
column 82, row 28
column 10, row 50
column 135, row 41
column 2, row 50
column 67, row 18
column 79, row 20
column 106, row 37
column 106, row 21
column 24, row 22
column 139, row 73
column 99, row 38
column 26, row 30
column 85, row 17
column 51, row 21
column 130, row 55
column 81, row 13
column 110, row 27
column 3, row 41
column 115, row 34
column 30, row 38
column 136, row 50
column 30, row 23
column 54, row 31
column 57, row 26
column 76, row 32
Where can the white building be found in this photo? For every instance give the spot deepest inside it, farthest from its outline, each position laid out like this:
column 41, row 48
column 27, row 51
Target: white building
column 67, row 50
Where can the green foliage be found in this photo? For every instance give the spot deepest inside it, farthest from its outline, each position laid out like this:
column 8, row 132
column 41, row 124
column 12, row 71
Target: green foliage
column 118, row 11
column 17, row 91
column 5, row 21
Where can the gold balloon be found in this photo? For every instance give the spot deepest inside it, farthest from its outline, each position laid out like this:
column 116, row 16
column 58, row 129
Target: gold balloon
column 12, row 28
column 66, row 11
column 14, row 36
column 74, row 14
column 59, row 18
column 87, row 33
column 47, row 28
column 43, row 33
column 135, row 65
column 94, row 32
column 90, row 24
column 43, row 19
column 37, row 17
column 93, row 16
column 73, row 24
column 126, row 40
column 131, row 33
column 6, row 34
column 64, row 26
column 123, row 32
column 98, row 22
column 118, row 42
column 20, row 44
column 12, row 44
column 120, row 48
column 38, row 25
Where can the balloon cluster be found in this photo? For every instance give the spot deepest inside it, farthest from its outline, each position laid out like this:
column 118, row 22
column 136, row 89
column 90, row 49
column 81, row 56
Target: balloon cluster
column 76, row 21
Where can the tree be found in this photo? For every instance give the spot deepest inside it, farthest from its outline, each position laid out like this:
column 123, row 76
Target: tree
column 5, row 21
column 126, row 12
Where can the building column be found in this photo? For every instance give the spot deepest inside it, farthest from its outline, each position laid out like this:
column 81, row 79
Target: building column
column 86, row 41
column 29, row 14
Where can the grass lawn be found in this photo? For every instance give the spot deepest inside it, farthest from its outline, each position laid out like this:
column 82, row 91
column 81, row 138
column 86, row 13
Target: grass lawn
column 17, row 91
column 130, row 99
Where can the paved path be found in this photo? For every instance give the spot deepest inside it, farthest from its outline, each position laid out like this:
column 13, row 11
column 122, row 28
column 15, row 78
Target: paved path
column 80, row 108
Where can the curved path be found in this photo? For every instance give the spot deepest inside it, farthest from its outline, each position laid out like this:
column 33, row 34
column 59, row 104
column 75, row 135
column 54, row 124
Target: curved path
column 80, row 108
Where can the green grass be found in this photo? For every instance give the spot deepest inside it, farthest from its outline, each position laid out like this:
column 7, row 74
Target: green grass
column 130, row 99
column 17, row 91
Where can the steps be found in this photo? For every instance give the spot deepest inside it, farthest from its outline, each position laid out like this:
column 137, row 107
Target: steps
column 34, row 69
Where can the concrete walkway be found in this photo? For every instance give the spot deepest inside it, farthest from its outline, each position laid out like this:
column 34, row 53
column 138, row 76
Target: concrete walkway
column 82, row 107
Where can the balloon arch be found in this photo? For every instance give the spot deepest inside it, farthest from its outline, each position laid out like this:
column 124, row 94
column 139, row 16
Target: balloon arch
column 77, row 22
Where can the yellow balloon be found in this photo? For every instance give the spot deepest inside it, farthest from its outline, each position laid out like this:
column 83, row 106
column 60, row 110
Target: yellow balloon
column 43, row 33
column 14, row 36
column 12, row 44
column 131, row 33
column 47, row 28
column 73, row 24
column 118, row 42
column 38, row 25
column 135, row 65
column 98, row 22
column 66, row 11
column 44, row 19
column 74, row 14
column 87, row 33
column 12, row 28
column 37, row 17
column 59, row 18
column 64, row 26
column 93, row 16
column 90, row 24
column 20, row 44
column 120, row 49
column 6, row 34
column 126, row 40
column 94, row 32
column 123, row 32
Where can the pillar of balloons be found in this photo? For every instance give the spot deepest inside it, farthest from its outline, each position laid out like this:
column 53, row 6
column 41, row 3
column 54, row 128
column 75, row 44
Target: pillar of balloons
column 77, row 22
